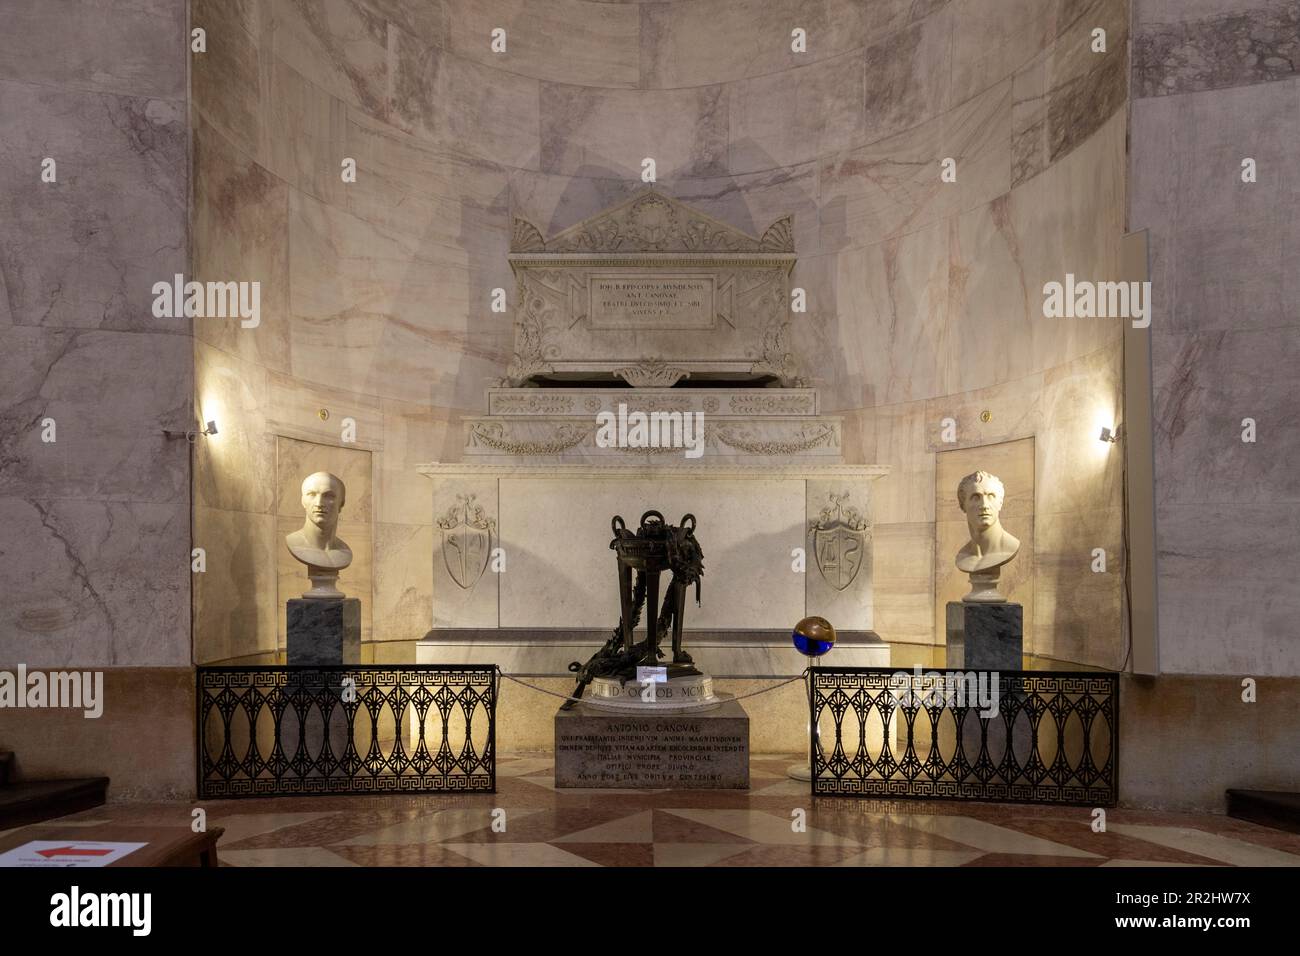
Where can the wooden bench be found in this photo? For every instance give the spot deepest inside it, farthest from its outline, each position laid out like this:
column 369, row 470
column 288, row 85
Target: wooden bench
column 165, row 846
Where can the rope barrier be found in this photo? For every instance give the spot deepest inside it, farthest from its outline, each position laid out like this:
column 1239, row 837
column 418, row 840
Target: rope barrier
column 543, row 690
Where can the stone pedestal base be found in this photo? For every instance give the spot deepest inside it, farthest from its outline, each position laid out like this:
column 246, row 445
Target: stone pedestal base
column 985, row 637
column 323, row 631
column 595, row 748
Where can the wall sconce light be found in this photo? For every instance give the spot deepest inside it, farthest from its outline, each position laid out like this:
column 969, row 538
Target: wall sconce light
column 1108, row 435
column 191, row 436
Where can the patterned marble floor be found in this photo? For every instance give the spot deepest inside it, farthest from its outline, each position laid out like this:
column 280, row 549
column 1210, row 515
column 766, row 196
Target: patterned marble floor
column 546, row 827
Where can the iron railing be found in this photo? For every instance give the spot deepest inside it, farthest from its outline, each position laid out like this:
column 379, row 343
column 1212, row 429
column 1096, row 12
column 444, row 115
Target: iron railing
column 1021, row 736
column 370, row 728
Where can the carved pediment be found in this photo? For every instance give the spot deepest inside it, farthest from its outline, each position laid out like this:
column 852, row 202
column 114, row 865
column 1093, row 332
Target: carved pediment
column 652, row 222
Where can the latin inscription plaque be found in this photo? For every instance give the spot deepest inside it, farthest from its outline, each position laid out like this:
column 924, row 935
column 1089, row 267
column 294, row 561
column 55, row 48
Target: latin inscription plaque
column 650, row 302
column 694, row 750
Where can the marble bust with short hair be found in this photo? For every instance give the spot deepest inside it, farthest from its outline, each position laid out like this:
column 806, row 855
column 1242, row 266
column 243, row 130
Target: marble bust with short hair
column 980, row 496
column 316, row 544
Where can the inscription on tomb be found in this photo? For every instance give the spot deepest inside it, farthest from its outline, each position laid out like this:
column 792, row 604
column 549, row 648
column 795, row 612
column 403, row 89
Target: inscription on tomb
column 650, row 302
column 689, row 751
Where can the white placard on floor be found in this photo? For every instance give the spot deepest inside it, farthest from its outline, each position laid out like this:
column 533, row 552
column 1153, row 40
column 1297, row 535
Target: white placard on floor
column 65, row 853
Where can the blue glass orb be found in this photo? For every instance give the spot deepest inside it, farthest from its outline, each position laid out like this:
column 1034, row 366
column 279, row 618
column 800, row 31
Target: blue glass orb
column 813, row 636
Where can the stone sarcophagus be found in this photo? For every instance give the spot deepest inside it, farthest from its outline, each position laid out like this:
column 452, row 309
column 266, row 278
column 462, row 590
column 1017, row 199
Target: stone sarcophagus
column 652, row 370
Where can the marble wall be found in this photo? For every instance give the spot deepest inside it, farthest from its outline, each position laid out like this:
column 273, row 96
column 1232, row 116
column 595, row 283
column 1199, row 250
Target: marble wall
column 1216, row 82
column 94, row 554
column 925, row 296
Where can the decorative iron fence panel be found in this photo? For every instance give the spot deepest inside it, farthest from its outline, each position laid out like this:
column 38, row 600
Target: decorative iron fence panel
column 369, row 728
column 1043, row 737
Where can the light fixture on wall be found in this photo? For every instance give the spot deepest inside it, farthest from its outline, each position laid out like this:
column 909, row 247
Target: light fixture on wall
column 191, row 436
column 1108, row 435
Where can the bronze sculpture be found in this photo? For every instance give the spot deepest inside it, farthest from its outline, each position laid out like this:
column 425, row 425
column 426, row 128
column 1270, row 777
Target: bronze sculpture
column 653, row 548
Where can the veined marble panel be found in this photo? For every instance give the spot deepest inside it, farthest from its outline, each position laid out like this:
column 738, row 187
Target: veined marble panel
column 136, row 49
column 797, row 116
column 600, row 41
column 402, row 597
column 241, row 234
column 590, row 132
column 680, row 41
column 1228, row 601
column 1068, row 91
column 892, row 187
column 902, row 316
column 909, row 74
column 907, row 494
column 304, row 134
column 830, row 340
column 1204, row 386
column 294, row 410
column 412, row 434
column 1220, row 258
column 234, row 470
column 110, row 395
column 462, row 105
column 94, row 583
column 362, row 300
column 1215, row 45
column 1015, row 410
column 992, row 309
column 1076, row 470
column 1069, row 219
column 85, row 251
column 235, row 601
column 991, row 39
column 420, row 18
column 1078, row 612
column 226, row 81
column 339, row 45
column 441, row 197
column 903, row 593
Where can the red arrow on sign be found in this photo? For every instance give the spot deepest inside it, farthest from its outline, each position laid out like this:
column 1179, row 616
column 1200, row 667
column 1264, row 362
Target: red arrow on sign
column 71, row 851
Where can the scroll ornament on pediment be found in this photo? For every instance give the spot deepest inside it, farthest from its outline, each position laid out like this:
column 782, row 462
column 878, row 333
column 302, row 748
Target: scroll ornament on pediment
column 776, row 358
column 651, row 373
column 652, row 222
column 533, row 350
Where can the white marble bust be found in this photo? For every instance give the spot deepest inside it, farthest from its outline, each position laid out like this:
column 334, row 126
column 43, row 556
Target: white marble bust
column 981, row 495
column 316, row 544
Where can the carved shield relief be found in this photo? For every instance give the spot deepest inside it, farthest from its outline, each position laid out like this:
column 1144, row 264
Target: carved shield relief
column 839, row 542
column 466, row 540
column 839, row 551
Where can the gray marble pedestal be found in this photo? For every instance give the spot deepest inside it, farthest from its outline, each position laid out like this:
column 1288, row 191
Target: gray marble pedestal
column 323, row 631
column 707, row 750
column 985, row 637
